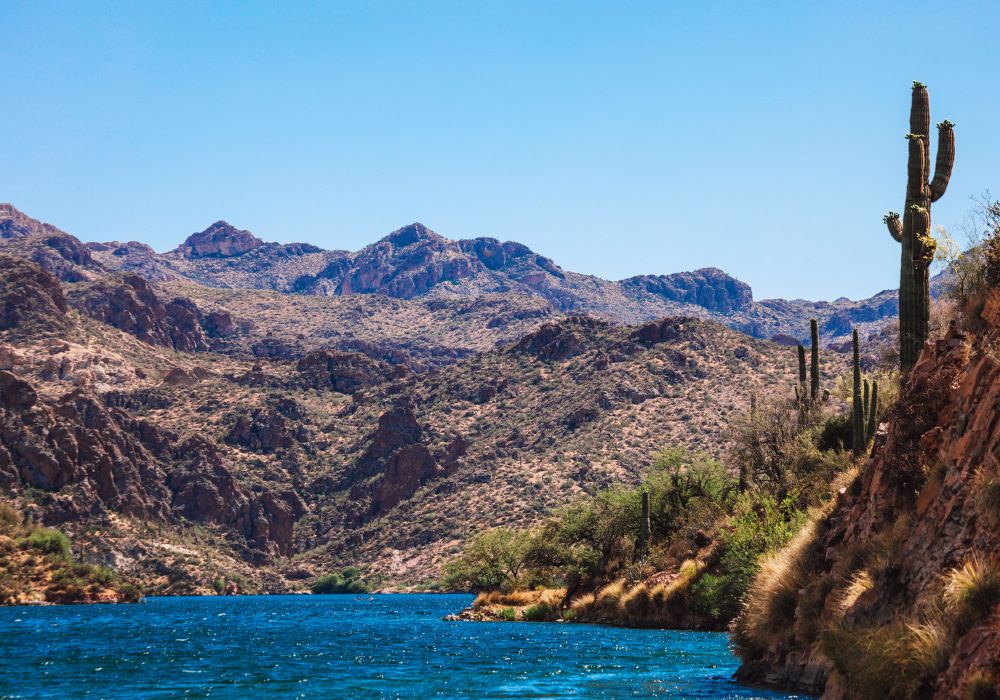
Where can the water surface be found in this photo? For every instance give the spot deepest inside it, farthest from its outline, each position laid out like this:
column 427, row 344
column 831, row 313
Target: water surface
column 344, row 646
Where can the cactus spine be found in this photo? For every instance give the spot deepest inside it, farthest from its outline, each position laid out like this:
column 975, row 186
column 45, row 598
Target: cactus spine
column 872, row 414
column 913, row 232
column 644, row 525
column 814, row 360
column 858, row 408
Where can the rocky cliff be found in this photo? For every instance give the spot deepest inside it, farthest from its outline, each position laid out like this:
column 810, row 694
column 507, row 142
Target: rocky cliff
column 893, row 591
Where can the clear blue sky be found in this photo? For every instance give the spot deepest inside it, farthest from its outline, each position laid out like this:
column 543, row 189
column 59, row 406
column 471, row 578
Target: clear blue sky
column 617, row 138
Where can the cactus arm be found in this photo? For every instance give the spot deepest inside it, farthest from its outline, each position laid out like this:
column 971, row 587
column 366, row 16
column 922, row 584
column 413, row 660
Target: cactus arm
column 895, row 226
column 916, row 167
column 945, row 159
column 920, row 110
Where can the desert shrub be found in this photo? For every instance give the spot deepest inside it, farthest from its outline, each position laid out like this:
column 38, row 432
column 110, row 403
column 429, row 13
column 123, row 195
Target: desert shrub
column 539, row 613
column 508, row 614
column 971, row 591
column 347, row 581
column 48, row 541
column 492, row 560
column 10, row 520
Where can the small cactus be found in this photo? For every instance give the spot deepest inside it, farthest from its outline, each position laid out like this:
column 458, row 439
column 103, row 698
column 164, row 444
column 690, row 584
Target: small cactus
column 644, row 525
column 857, row 405
column 872, row 414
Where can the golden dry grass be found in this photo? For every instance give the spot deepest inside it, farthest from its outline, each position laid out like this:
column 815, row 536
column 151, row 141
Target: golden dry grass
column 971, row 591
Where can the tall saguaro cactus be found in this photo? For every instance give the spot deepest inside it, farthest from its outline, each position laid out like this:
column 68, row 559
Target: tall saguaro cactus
column 857, row 405
column 814, row 359
column 913, row 232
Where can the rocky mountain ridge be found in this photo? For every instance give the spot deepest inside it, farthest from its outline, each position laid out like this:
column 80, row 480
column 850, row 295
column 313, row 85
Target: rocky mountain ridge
column 415, row 263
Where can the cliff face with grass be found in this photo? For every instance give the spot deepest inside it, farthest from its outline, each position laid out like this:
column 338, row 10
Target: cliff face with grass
column 892, row 590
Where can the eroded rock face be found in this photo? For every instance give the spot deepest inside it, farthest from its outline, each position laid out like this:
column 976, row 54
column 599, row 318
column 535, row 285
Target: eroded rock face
column 220, row 240
column 394, row 464
column 31, row 298
column 558, row 341
column 344, row 372
column 710, row 288
column 133, row 307
column 262, row 430
column 920, row 486
column 91, row 456
column 15, row 224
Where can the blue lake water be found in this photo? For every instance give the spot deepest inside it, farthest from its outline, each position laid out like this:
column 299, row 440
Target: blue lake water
column 344, row 646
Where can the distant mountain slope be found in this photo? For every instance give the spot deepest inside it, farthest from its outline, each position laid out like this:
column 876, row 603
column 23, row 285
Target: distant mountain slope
column 182, row 466
column 415, row 263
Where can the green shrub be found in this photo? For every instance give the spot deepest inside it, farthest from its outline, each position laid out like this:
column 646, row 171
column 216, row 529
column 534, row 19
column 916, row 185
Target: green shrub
column 539, row 613
column 347, row 581
column 49, row 542
column 508, row 614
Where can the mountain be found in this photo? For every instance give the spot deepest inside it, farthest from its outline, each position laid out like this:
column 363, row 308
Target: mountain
column 179, row 465
column 415, row 263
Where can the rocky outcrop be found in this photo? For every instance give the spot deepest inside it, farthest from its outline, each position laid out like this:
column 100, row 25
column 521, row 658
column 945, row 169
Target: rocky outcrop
column 344, row 372
column 560, row 340
column 15, row 224
column 710, row 288
column 132, row 306
column 394, row 463
column 220, row 240
column 918, row 498
column 263, row 430
column 87, row 455
column 31, row 299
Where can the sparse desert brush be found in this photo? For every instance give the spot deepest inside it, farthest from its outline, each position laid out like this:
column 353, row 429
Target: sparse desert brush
column 980, row 686
column 928, row 645
column 986, row 486
column 539, row 612
column 490, row 598
column 971, row 591
column 508, row 614
column 769, row 611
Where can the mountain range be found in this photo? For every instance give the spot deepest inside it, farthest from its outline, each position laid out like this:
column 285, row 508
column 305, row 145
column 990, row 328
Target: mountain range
column 263, row 413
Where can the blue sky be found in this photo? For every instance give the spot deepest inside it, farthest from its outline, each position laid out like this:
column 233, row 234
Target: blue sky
column 618, row 138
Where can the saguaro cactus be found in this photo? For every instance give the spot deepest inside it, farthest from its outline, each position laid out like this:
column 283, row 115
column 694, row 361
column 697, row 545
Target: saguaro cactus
column 857, row 407
column 872, row 414
column 802, row 366
column 913, row 232
column 814, row 360
column 644, row 525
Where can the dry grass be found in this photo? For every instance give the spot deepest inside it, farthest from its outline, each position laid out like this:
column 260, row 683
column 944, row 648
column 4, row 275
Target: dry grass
column 980, row 686
column 971, row 591
column 769, row 613
column 609, row 597
column 860, row 582
column 583, row 604
column 986, row 486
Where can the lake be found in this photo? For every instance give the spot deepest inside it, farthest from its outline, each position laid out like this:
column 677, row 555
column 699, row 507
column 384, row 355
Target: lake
column 344, row 646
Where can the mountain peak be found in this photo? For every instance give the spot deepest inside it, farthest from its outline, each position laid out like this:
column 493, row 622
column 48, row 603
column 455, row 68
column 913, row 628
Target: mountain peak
column 413, row 233
column 220, row 240
column 16, row 224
